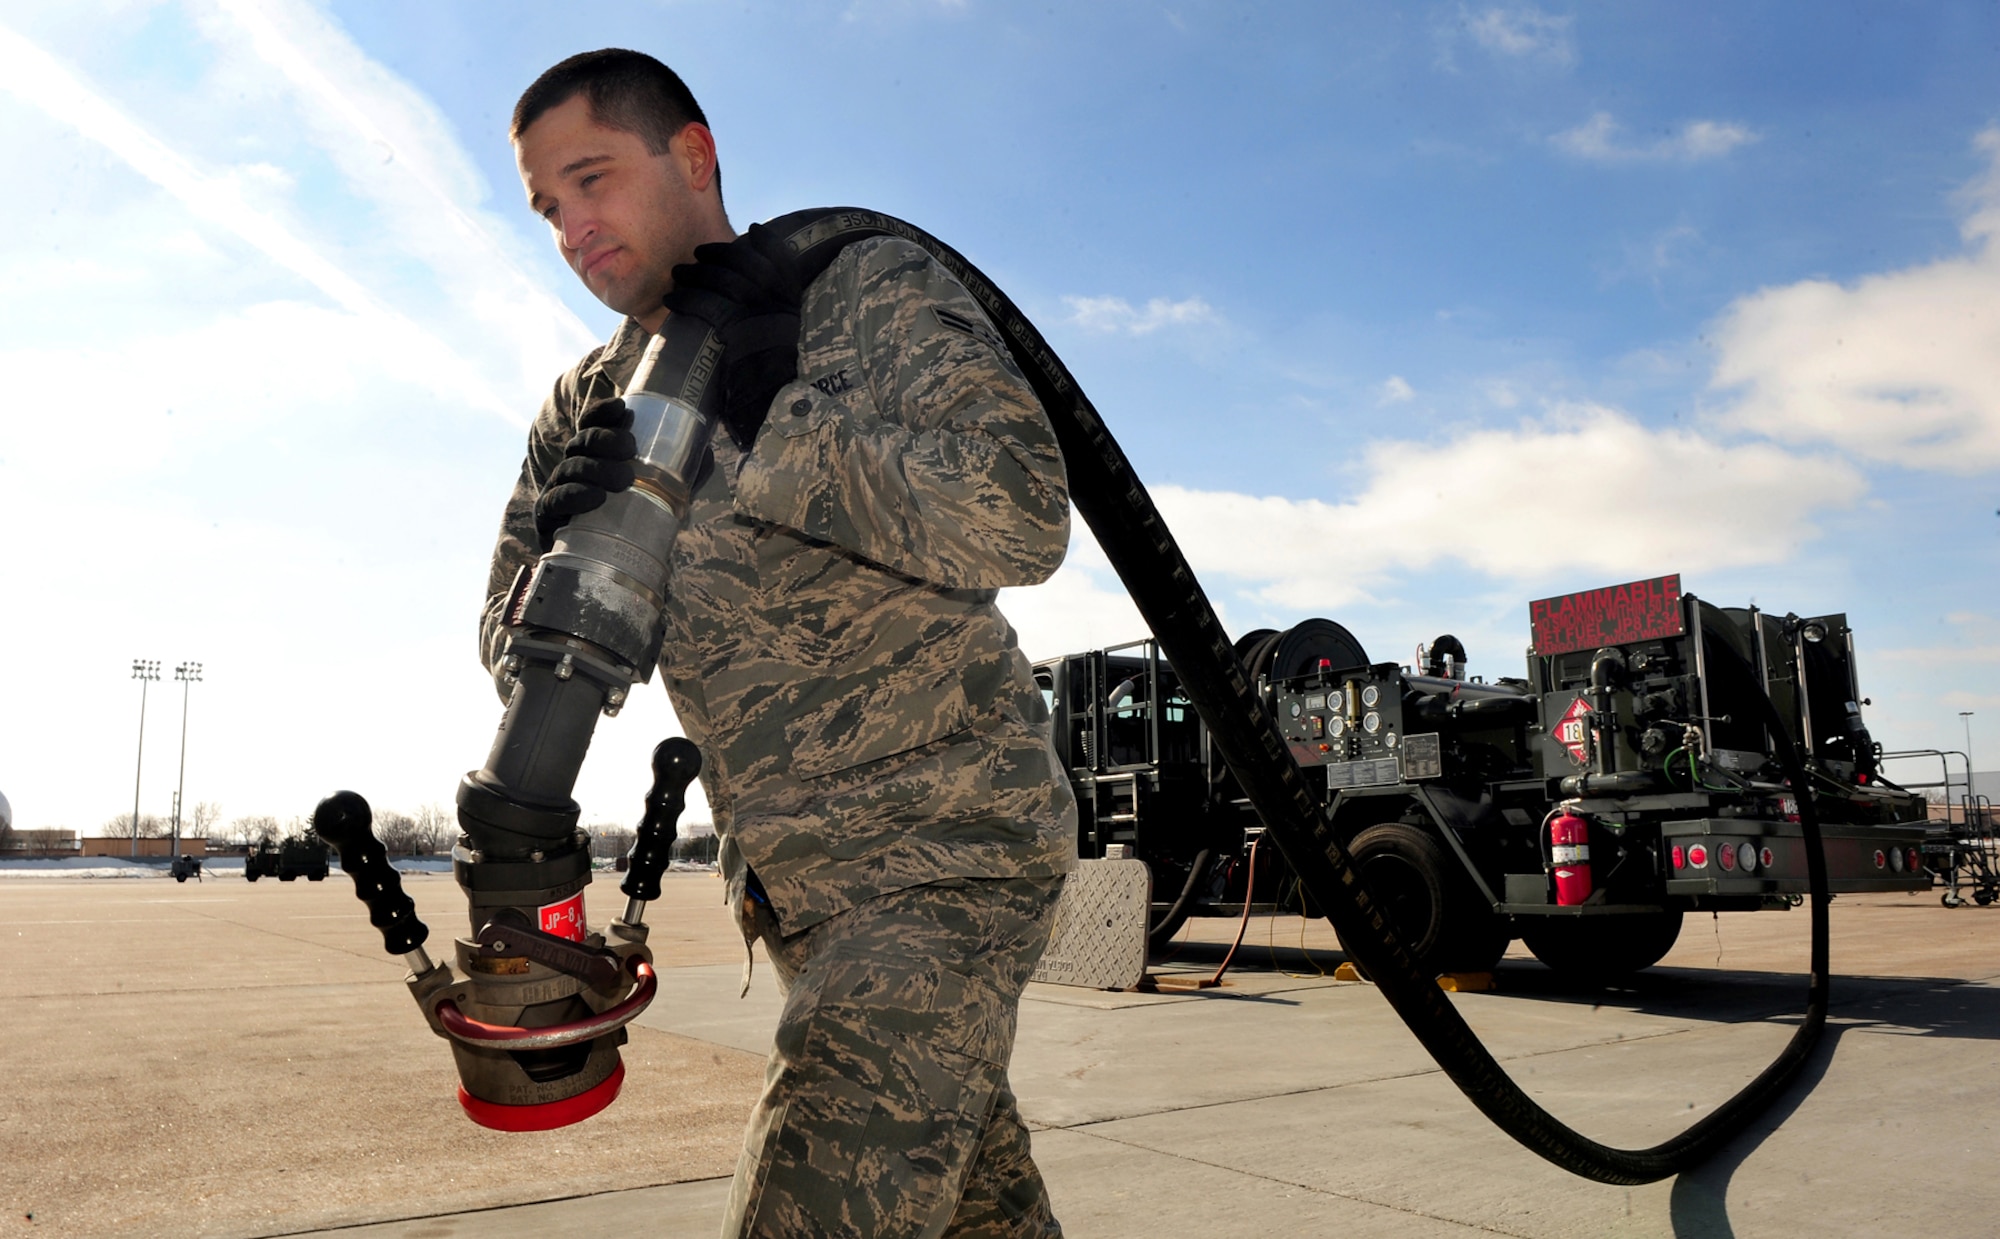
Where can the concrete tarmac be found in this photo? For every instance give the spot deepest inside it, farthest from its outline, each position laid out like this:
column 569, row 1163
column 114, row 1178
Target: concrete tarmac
column 234, row 1059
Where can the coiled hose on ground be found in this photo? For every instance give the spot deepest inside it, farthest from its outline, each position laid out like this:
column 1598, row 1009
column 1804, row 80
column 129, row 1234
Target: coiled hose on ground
column 1112, row 501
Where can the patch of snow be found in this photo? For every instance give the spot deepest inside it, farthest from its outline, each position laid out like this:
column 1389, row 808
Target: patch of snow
column 83, row 867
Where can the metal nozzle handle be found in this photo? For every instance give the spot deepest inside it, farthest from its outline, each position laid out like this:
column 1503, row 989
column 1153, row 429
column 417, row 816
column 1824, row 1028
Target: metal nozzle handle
column 675, row 764
column 344, row 821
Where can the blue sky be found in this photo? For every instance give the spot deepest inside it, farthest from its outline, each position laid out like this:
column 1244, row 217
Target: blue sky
column 1410, row 314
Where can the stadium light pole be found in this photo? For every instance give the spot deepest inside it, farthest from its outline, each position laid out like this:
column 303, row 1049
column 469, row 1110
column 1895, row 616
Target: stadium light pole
column 1971, row 790
column 144, row 670
column 189, row 674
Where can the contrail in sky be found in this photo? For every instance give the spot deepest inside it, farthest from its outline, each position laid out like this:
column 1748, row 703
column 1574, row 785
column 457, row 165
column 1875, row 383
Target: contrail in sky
column 39, row 80
column 319, row 61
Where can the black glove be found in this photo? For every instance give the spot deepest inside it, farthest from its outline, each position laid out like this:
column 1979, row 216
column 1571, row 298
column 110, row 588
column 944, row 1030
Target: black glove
column 596, row 461
column 749, row 291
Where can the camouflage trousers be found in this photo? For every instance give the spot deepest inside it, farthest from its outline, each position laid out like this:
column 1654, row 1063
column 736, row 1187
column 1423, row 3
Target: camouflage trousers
column 886, row 1112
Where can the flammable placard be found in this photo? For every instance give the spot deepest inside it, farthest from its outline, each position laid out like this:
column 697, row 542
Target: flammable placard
column 1635, row 611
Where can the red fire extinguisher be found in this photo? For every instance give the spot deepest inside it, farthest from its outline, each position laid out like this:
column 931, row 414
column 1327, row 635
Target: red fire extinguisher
column 1569, row 848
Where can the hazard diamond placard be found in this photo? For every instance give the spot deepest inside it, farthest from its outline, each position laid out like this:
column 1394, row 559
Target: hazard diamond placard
column 1572, row 730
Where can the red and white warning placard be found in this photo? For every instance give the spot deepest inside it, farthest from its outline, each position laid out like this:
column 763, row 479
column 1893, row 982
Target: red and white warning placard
column 1573, row 730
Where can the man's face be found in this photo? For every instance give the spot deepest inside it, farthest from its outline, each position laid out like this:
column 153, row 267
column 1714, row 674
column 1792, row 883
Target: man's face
column 622, row 216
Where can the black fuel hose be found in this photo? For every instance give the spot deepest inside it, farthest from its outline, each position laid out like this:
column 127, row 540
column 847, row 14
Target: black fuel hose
column 1177, row 912
column 1112, row 500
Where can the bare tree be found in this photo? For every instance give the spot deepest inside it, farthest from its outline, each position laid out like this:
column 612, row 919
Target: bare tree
column 397, row 831
column 151, row 826
column 262, row 828
column 436, row 829
column 206, row 814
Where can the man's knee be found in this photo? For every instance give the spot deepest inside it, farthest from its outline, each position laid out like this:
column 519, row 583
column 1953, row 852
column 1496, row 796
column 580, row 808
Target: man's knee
column 1003, row 1196
column 890, row 1054
column 882, row 1079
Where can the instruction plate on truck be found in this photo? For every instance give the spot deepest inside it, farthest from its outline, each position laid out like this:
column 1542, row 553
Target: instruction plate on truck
column 1370, row 772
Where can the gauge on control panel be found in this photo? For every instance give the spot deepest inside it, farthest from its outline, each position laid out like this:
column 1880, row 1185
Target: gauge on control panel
column 1337, row 725
column 1371, row 697
column 1371, row 722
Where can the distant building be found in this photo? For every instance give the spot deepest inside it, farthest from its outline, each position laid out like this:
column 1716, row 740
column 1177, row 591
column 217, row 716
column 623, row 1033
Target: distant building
column 162, row 847
column 41, row 844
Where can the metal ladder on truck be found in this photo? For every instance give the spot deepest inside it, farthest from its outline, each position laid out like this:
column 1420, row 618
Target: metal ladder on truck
column 1961, row 848
column 1974, row 853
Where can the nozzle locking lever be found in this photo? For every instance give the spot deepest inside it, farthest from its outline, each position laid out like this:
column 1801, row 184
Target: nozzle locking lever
column 676, row 761
column 510, row 933
column 345, row 821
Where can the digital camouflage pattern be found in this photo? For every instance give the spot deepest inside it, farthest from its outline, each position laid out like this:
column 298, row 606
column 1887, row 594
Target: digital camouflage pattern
column 886, row 1112
column 866, row 718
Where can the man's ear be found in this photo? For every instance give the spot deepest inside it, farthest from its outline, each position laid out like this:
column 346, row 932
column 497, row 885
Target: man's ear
column 693, row 151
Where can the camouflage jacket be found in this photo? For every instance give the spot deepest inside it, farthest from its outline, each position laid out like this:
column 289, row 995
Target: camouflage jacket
column 866, row 719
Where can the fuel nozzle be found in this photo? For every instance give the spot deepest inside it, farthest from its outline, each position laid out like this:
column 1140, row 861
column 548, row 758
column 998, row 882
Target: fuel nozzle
column 537, row 1009
column 533, row 1003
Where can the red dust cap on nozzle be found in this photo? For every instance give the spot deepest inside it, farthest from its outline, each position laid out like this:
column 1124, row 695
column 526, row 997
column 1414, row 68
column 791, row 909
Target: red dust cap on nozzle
column 547, row 1115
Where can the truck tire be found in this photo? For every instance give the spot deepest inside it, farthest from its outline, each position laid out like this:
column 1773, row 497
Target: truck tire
column 315, row 877
column 288, row 877
column 1436, row 913
column 1601, row 948
column 249, row 874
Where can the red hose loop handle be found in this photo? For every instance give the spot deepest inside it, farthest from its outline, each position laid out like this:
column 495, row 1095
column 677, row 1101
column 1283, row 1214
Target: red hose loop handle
column 508, row 1037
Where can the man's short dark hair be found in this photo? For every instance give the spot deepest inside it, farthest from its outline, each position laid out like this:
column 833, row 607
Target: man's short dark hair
column 629, row 91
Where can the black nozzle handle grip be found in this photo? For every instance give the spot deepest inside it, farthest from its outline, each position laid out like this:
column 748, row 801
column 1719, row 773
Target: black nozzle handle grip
column 344, row 821
column 675, row 763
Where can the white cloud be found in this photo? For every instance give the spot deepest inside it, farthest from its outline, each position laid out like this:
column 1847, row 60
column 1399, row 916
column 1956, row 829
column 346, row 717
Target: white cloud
column 1661, row 253
column 1585, row 490
column 1975, row 639
column 1116, row 315
column 396, row 152
column 1501, row 510
column 1901, row 367
column 1395, row 390
column 1707, row 139
column 1521, row 32
column 1082, row 607
column 270, row 346
column 1602, row 139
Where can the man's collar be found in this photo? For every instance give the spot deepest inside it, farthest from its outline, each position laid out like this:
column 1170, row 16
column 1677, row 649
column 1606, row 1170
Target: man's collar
column 626, row 342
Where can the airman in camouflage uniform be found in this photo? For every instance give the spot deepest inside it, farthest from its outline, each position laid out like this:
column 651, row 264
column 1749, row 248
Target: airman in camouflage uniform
column 875, row 750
